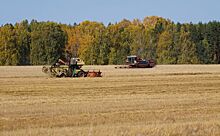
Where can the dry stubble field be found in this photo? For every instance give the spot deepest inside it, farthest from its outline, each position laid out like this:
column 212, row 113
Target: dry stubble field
column 166, row 100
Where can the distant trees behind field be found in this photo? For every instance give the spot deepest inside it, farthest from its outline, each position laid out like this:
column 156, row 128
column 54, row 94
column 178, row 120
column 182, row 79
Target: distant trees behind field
column 38, row 43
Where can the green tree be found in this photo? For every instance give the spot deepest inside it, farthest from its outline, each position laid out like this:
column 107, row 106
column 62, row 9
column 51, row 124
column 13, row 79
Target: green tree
column 188, row 53
column 23, row 42
column 213, row 38
column 166, row 52
column 91, row 41
column 120, row 42
column 47, row 43
column 155, row 37
column 112, row 56
column 154, row 27
column 8, row 48
column 205, row 52
column 138, row 39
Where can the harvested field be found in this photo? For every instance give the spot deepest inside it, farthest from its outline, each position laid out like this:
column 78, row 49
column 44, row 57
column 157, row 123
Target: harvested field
column 165, row 100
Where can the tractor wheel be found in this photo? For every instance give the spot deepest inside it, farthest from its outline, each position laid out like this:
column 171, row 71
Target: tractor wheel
column 81, row 74
column 62, row 75
column 45, row 69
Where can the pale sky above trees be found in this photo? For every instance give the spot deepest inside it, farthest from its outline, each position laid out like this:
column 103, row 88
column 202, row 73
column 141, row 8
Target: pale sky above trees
column 70, row 11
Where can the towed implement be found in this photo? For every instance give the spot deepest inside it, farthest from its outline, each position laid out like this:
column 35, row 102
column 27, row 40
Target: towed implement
column 70, row 69
column 136, row 62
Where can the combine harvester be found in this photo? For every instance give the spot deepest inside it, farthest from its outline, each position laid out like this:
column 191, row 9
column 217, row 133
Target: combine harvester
column 73, row 68
column 136, row 62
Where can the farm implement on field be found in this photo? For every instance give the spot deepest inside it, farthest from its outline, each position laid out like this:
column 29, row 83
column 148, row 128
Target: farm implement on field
column 136, row 62
column 72, row 68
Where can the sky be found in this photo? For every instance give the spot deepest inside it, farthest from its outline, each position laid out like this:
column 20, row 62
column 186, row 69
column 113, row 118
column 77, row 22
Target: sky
column 71, row 11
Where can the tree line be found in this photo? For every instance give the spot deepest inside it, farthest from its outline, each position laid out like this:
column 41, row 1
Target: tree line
column 40, row 43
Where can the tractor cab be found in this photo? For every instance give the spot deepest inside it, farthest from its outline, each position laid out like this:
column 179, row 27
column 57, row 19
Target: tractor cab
column 131, row 60
column 76, row 62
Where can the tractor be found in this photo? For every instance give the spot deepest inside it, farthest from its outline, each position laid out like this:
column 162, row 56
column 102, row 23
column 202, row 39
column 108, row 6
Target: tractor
column 135, row 62
column 71, row 68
